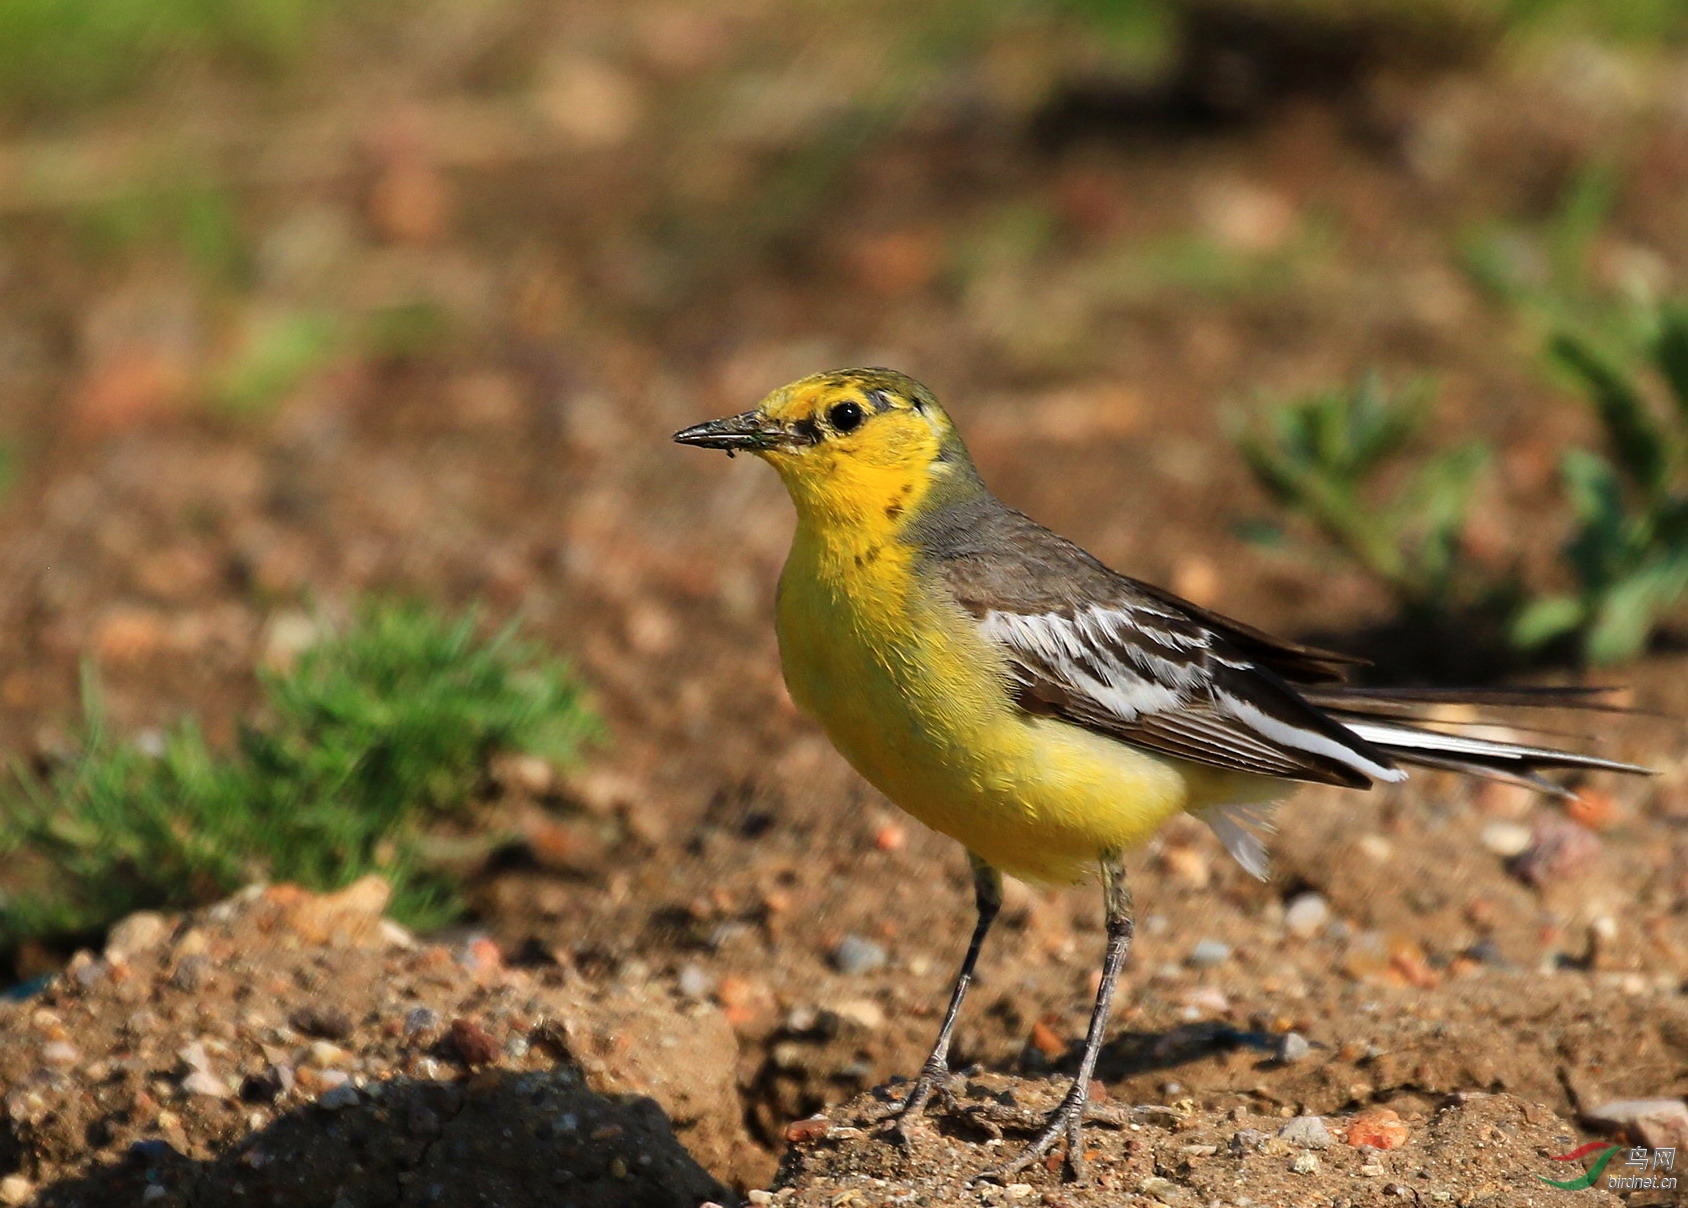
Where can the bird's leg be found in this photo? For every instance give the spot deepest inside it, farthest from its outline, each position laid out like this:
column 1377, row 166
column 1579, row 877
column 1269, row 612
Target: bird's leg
column 987, row 897
column 1067, row 1120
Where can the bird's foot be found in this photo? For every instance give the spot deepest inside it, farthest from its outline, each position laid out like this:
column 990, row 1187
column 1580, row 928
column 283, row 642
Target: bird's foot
column 900, row 1116
column 1066, row 1123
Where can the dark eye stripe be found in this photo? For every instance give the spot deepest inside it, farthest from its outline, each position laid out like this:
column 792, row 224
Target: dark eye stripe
column 807, row 430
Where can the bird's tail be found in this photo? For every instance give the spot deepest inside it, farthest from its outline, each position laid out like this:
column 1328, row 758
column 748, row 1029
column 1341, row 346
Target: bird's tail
column 1447, row 729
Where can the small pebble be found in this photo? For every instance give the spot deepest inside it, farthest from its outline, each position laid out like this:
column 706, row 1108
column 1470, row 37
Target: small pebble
column 323, row 1020
column 326, row 1054
column 1380, row 1128
column 856, row 956
column 1306, row 915
column 472, row 1043
column 1486, row 952
column 204, row 1082
column 1559, row 849
column 1164, row 1190
column 60, row 1052
column 759, row 1196
column 15, row 1189
column 694, row 982
column 419, row 1020
column 153, row 1194
column 1505, row 839
column 1293, row 1047
column 1208, row 953
column 337, row 1097
column 1304, row 1163
column 1246, row 1139
column 800, row 1132
column 1306, row 1132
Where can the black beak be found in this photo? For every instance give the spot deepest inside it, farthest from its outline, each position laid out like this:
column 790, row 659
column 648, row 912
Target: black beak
column 748, row 431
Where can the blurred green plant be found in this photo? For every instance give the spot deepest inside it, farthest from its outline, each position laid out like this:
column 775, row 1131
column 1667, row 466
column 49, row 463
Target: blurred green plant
column 374, row 739
column 276, row 352
column 1629, row 554
column 1656, row 22
column 1320, row 455
column 59, row 53
column 1546, row 271
column 196, row 219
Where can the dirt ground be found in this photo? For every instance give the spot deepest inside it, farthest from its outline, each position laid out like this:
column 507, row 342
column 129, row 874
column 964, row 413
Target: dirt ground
column 714, row 912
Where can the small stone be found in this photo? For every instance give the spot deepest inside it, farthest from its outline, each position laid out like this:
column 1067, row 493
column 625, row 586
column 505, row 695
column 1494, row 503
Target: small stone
column 1558, row 850
column 336, row 1098
column 1247, row 1140
column 694, row 982
column 1505, row 839
column 191, row 973
column 325, row 1054
column 1304, row 1163
column 1164, row 1190
column 1380, row 1128
column 1305, row 1132
column 324, row 1020
column 855, row 956
column 420, row 1020
column 471, row 1043
column 800, row 1132
column 60, row 1052
column 1371, row 1170
column 863, row 1013
column 759, row 1196
column 15, row 1189
column 154, row 1193
column 1659, row 1123
column 1293, row 1047
column 1019, row 1191
column 1209, row 953
column 204, row 1082
column 1306, row 915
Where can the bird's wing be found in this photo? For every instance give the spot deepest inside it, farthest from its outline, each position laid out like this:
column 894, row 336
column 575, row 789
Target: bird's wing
column 1135, row 670
column 1110, row 654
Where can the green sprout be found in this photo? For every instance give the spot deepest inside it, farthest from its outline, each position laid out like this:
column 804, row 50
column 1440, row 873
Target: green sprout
column 1629, row 553
column 372, row 740
column 1319, row 455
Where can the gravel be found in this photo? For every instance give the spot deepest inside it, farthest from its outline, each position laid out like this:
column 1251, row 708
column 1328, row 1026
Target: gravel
column 855, row 956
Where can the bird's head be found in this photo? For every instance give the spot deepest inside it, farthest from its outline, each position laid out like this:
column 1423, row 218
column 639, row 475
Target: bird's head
column 849, row 442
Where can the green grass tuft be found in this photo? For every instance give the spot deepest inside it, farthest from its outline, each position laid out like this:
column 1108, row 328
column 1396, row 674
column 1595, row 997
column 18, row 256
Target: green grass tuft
column 373, row 738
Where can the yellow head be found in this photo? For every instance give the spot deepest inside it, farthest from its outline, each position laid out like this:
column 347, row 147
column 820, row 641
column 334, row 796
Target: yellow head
column 852, row 446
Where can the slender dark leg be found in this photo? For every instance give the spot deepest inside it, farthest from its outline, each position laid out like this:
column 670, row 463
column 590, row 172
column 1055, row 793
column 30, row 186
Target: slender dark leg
column 987, row 896
column 1067, row 1120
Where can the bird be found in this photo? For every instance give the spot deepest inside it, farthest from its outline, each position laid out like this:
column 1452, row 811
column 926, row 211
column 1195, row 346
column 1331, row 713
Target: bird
column 1007, row 689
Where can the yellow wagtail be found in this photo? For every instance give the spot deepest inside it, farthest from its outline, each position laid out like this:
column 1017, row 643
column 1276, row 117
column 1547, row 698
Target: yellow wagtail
column 1010, row 691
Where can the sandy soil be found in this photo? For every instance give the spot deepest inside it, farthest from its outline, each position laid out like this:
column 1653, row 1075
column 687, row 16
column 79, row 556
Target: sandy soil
column 715, row 913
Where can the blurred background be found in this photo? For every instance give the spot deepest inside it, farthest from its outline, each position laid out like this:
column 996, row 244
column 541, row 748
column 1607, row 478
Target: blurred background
column 1353, row 318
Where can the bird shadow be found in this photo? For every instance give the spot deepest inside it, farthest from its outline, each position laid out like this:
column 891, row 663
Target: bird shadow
column 500, row 1137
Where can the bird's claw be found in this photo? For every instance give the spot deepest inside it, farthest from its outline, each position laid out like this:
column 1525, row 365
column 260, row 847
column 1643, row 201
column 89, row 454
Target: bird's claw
column 1066, row 1123
column 899, row 1116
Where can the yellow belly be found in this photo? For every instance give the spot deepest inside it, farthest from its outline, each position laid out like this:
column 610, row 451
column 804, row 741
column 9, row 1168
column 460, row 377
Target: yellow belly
column 915, row 698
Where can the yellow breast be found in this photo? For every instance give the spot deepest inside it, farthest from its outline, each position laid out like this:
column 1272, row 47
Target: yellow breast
column 917, row 700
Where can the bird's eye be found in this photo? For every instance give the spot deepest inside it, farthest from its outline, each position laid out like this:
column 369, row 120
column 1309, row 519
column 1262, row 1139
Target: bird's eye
column 845, row 417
